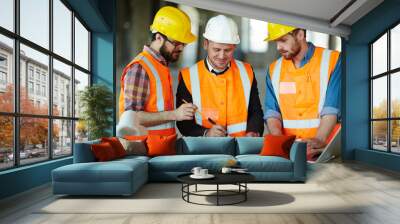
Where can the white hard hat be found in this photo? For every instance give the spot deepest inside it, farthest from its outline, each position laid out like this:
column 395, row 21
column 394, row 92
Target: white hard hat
column 222, row 29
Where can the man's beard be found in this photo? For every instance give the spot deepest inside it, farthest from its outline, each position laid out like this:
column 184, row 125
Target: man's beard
column 168, row 55
column 295, row 51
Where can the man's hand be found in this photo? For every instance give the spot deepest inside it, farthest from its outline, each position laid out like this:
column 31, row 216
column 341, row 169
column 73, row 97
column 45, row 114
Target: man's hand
column 314, row 147
column 252, row 134
column 315, row 143
column 185, row 112
column 216, row 131
column 274, row 126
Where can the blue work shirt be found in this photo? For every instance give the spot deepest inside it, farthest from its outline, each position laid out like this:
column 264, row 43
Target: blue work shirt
column 332, row 98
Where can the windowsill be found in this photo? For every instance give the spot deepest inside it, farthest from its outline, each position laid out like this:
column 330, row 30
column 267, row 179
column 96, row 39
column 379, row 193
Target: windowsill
column 379, row 151
column 377, row 158
column 25, row 167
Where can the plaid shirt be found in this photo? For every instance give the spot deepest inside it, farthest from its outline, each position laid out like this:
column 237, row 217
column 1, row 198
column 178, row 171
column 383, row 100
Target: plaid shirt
column 137, row 83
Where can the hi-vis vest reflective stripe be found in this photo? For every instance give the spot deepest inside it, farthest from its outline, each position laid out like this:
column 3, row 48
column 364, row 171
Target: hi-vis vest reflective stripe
column 161, row 96
column 223, row 98
column 301, row 92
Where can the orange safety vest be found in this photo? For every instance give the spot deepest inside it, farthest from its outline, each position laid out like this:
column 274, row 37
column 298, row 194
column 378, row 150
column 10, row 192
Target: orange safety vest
column 161, row 96
column 223, row 98
column 301, row 91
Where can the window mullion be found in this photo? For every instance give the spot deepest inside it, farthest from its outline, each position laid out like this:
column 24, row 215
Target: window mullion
column 389, row 104
column 16, row 70
column 50, row 81
column 371, row 50
column 73, row 82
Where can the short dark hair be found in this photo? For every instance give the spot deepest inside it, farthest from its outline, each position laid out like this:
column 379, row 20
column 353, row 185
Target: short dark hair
column 153, row 36
column 294, row 32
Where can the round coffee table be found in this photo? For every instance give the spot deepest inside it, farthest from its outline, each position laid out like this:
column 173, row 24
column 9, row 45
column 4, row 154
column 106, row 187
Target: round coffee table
column 238, row 179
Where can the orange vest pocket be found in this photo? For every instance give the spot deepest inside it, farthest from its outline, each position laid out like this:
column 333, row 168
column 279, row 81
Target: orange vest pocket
column 305, row 94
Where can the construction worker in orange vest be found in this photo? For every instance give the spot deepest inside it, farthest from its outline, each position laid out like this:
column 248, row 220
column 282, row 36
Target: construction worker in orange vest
column 223, row 89
column 302, row 88
column 146, row 103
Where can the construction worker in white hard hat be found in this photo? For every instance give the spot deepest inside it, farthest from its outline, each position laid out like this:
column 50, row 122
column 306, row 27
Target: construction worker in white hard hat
column 223, row 89
column 302, row 88
column 146, row 103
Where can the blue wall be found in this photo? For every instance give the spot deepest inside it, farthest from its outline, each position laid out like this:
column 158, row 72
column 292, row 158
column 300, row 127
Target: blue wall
column 103, row 66
column 356, row 83
column 24, row 178
column 98, row 15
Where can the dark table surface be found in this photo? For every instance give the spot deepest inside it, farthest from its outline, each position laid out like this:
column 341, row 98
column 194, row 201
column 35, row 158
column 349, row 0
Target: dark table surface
column 220, row 178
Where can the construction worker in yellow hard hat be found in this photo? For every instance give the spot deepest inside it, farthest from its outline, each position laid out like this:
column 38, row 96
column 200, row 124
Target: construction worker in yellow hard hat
column 302, row 88
column 224, row 89
column 146, row 103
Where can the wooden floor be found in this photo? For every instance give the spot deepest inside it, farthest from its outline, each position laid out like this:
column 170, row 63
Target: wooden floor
column 377, row 188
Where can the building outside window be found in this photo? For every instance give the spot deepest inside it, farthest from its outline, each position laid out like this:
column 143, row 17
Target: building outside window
column 30, row 72
column 43, row 90
column 30, row 87
column 3, row 78
column 43, row 77
column 3, row 72
column 37, row 74
column 38, row 89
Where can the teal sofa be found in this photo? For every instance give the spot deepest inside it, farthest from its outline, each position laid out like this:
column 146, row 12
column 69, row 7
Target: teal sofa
column 125, row 176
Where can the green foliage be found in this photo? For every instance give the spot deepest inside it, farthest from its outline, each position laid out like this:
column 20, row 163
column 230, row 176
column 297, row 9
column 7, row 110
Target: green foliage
column 96, row 102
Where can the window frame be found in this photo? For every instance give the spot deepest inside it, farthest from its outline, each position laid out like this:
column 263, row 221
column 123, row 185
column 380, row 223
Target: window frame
column 51, row 118
column 388, row 74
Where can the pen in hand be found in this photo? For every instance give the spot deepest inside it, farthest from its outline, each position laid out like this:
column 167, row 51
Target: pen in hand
column 197, row 109
column 215, row 123
column 212, row 121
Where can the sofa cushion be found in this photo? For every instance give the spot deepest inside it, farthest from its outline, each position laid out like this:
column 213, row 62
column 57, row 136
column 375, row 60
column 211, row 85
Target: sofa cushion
column 134, row 147
column 275, row 145
column 112, row 171
column 185, row 163
column 206, row 145
column 116, row 145
column 129, row 159
column 103, row 152
column 159, row 145
column 257, row 163
column 136, row 137
column 249, row 145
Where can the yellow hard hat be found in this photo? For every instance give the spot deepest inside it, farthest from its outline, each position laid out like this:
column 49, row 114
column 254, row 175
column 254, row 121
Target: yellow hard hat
column 173, row 23
column 275, row 31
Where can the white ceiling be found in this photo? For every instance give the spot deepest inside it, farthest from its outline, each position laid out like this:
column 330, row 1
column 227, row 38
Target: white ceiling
column 324, row 16
column 322, row 9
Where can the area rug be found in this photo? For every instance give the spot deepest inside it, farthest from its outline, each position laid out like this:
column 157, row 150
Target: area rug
column 167, row 198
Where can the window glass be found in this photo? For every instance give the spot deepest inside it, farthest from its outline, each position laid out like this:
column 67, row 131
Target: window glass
column 6, row 142
column 31, row 58
column 395, row 136
column 7, row 14
column 379, row 56
column 62, row 91
column 35, row 21
column 395, row 95
column 81, row 81
column 34, row 145
column 6, row 74
column 379, row 135
column 62, row 138
column 395, row 47
column 81, row 45
column 379, row 97
column 62, row 29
